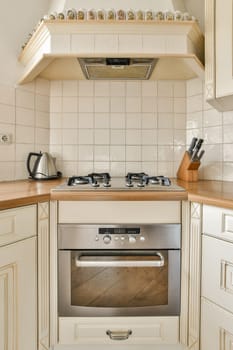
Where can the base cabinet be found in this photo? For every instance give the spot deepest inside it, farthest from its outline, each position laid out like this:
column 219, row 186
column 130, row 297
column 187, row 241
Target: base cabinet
column 216, row 329
column 18, row 316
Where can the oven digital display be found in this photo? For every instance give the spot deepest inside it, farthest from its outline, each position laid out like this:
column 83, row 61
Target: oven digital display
column 119, row 230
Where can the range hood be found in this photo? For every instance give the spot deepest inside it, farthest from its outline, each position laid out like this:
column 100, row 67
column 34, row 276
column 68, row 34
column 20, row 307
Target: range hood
column 79, row 50
column 117, row 68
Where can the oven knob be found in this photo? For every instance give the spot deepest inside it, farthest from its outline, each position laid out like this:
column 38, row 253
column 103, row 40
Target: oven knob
column 107, row 239
column 132, row 239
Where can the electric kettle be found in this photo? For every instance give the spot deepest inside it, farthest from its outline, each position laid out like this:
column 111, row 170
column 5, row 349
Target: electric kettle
column 44, row 167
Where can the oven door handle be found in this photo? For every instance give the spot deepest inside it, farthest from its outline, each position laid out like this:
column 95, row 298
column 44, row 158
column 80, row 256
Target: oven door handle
column 119, row 263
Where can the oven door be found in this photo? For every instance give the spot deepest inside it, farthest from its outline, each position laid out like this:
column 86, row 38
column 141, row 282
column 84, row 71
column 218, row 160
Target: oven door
column 119, row 283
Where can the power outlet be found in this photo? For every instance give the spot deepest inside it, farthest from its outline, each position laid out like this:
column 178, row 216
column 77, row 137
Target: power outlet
column 5, row 138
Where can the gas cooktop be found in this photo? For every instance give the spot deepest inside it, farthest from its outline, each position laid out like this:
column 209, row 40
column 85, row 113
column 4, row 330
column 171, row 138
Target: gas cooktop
column 130, row 182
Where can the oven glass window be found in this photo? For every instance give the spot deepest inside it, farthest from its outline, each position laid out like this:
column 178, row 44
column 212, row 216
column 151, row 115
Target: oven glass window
column 119, row 281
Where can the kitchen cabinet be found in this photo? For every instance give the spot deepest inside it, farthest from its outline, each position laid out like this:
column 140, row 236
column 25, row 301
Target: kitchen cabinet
column 219, row 54
column 18, row 279
column 217, row 279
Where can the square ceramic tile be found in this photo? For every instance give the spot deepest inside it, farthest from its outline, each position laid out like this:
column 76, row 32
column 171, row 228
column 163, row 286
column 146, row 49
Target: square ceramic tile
column 228, row 117
column 55, row 137
column 165, row 137
column 117, row 137
column 56, row 88
column 85, row 120
column 85, row 168
column 133, row 121
column 228, row 171
column 101, row 104
column 133, row 105
column 133, row 167
column 55, row 121
column 102, row 88
column 85, row 88
column 117, row 121
column 117, row 88
column 149, row 88
column 69, row 88
column 213, row 135
column 133, row 88
column 213, row 153
column 179, row 137
column 165, row 105
column 42, row 86
column 101, row 136
column 117, row 168
column 165, row 153
column 69, row 120
column 149, row 153
column 149, row 136
column 70, row 105
column 42, row 136
column 25, row 116
column 101, row 153
column 133, row 153
column 212, row 118
column 7, row 153
column 228, row 133
column 69, row 137
column 117, row 104
column 101, row 167
column 85, row 136
column 149, row 104
column 69, row 153
column 150, row 168
column 165, row 120
column 194, row 104
column 25, row 99
column 86, row 152
column 133, row 137
column 166, row 168
column 22, row 151
column 213, row 171
column 42, row 120
column 227, row 152
column 179, row 89
column 117, row 153
column 195, row 120
column 102, row 120
column 179, row 105
column 55, row 104
column 42, row 103
column 7, row 95
column 165, row 88
column 179, row 121
column 194, row 87
column 24, row 134
column 85, row 104
column 7, row 114
column 149, row 120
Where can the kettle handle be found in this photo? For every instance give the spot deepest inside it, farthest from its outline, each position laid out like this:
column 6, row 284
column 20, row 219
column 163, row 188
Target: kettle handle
column 29, row 159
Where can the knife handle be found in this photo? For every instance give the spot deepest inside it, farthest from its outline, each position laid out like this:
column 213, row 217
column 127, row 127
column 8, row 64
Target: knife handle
column 192, row 145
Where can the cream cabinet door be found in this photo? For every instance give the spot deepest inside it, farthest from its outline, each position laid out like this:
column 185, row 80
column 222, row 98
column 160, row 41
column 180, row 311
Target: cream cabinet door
column 18, row 282
column 219, row 53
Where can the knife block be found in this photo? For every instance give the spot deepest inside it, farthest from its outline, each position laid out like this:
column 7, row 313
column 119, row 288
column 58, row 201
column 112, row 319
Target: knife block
column 188, row 170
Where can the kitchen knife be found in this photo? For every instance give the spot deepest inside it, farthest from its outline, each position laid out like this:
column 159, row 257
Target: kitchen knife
column 196, row 149
column 200, row 155
column 192, row 145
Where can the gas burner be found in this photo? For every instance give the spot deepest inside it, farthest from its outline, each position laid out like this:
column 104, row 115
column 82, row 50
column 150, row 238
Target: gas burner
column 104, row 178
column 94, row 179
column 142, row 179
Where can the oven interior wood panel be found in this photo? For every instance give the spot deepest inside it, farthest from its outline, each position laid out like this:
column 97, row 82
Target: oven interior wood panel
column 120, row 287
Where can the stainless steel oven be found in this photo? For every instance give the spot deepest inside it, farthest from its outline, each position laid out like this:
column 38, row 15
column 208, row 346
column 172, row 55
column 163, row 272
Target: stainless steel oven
column 119, row 270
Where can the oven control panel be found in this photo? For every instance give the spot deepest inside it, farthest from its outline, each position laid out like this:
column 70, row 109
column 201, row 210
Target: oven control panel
column 119, row 234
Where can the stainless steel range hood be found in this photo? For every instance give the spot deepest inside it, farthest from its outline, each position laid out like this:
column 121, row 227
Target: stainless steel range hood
column 73, row 50
column 117, row 68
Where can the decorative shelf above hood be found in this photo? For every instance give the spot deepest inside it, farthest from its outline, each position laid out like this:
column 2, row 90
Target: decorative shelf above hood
column 54, row 48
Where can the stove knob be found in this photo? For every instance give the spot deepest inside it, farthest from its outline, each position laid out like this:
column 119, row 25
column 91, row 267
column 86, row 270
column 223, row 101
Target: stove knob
column 132, row 239
column 107, row 239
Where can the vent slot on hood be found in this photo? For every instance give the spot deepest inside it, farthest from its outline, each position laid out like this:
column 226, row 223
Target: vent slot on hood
column 117, row 68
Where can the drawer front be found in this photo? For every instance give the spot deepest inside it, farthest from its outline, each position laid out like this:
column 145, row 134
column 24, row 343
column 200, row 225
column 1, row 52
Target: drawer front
column 144, row 330
column 216, row 327
column 217, row 271
column 218, row 222
column 17, row 224
column 119, row 212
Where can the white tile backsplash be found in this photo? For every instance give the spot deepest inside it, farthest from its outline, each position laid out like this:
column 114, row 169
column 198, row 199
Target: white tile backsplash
column 114, row 126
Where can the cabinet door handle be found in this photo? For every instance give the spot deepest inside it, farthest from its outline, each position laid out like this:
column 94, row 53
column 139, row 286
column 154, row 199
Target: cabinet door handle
column 119, row 335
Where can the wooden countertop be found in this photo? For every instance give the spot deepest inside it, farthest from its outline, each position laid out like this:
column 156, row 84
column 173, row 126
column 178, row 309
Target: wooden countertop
column 24, row 192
